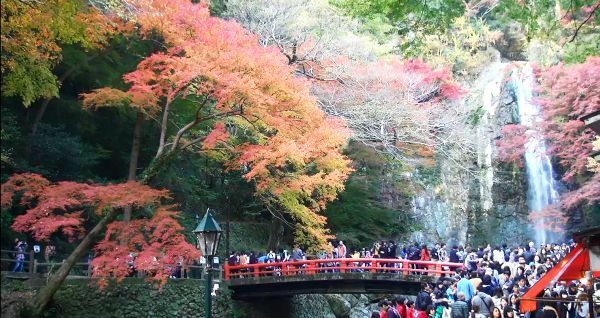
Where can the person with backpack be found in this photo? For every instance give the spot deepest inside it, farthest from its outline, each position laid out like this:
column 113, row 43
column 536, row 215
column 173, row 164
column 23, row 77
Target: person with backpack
column 424, row 298
column 20, row 248
column 483, row 301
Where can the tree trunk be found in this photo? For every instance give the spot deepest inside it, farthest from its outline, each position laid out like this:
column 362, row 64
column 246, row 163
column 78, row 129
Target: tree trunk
column 275, row 233
column 39, row 115
column 44, row 296
column 163, row 130
column 133, row 158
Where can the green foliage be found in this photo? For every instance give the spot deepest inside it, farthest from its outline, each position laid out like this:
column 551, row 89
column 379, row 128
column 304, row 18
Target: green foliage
column 409, row 18
column 580, row 50
column 463, row 46
column 59, row 155
column 358, row 216
column 10, row 137
column 30, row 81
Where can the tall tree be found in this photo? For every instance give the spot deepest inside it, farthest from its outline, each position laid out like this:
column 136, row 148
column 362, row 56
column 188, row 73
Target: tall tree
column 224, row 77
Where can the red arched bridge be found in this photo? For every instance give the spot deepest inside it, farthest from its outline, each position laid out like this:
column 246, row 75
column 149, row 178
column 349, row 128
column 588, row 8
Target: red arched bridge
column 334, row 276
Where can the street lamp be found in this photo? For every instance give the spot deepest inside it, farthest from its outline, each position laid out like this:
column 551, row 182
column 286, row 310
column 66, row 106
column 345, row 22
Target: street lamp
column 208, row 233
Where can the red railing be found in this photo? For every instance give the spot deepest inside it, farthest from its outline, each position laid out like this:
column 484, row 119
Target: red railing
column 342, row 265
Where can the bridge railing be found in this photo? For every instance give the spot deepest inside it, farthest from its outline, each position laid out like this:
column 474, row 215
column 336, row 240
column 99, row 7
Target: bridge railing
column 341, row 265
column 8, row 260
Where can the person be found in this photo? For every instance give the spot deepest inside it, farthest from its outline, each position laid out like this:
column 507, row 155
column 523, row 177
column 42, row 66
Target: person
column 475, row 312
column 459, row 308
column 430, row 313
column 443, row 253
column 583, row 307
column 19, row 255
column 375, row 314
column 49, row 251
column 297, row 254
column 425, row 256
column 382, row 309
column 390, row 311
column 451, row 291
column 442, row 309
column 401, row 306
column 435, row 252
column 464, row 285
column 423, row 298
column 271, row 257
column 454, row 255
column 410, row 309
column 549, row 311
column 496, row 313
column 471, row 261
column 509, row 312
column 483, row 301
column 342, row 250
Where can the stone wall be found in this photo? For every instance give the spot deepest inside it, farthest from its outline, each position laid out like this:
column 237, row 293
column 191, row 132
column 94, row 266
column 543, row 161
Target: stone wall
column 131, row 298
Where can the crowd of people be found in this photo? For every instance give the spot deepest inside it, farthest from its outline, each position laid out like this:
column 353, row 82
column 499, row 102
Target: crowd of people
column 491, row 284
column 488, row 283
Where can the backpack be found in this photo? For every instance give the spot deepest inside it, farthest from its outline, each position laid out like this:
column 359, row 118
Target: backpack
column 420, row 302
column 395, row 311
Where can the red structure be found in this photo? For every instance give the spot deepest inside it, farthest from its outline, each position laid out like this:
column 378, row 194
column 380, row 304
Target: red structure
column 342, row 265
column 583, row 262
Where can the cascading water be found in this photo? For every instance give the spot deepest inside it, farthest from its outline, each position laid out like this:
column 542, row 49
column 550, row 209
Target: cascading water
column 540, row 175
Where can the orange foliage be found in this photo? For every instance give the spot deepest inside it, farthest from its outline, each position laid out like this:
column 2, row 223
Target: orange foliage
column 298, row 149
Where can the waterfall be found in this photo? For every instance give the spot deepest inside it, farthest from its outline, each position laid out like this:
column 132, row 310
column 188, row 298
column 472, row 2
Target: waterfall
column 540, row 175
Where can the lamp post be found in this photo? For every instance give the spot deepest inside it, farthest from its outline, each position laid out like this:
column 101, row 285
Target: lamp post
column 208, row 233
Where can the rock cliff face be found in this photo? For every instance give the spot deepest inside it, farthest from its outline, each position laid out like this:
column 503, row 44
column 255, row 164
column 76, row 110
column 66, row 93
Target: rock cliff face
column 331, row 306
column 513, row 43
column 314, row 306
column 487, row 201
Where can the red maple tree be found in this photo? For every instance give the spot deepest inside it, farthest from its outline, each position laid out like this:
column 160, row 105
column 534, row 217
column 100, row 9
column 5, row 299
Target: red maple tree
column 58, row 208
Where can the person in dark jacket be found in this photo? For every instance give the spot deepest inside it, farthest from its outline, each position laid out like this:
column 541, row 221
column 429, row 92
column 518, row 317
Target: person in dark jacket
column 424, row 298
column 459, row 308
column 453, row 257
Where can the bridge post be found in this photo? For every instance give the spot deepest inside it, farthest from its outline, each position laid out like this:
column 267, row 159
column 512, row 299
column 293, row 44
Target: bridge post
column 373, row 265
column 256, row 270
column 31, row 258
column 226, row 269
column 311, row 269
column 342, row 266
column 405, row 268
